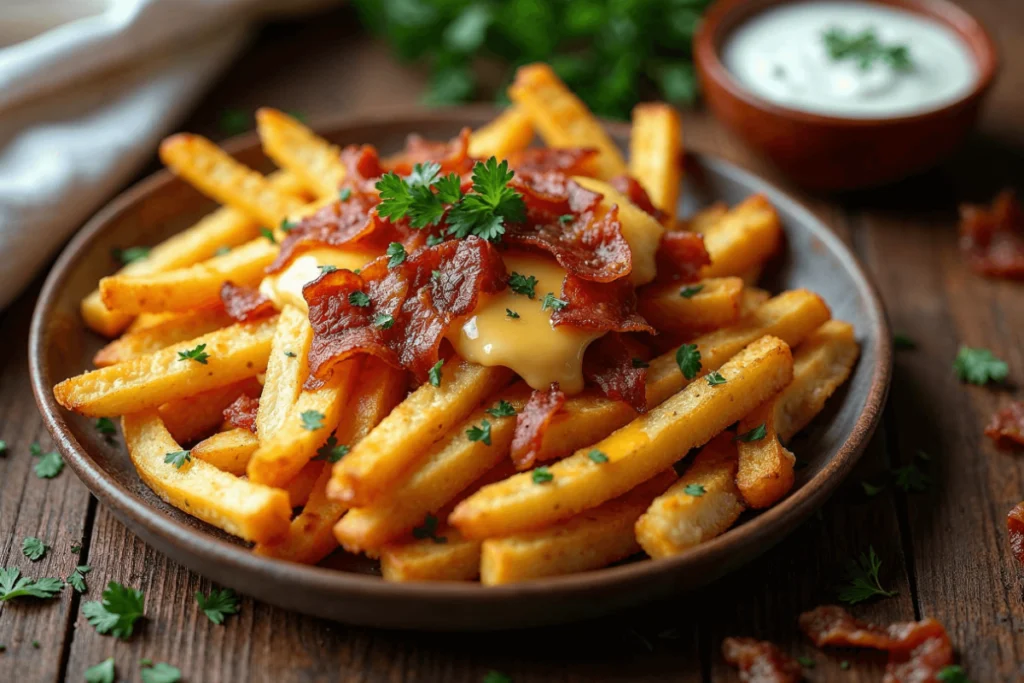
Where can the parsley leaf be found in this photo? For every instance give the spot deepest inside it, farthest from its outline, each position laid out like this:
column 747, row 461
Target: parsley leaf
column 198, row 354
column 952, row 673
column 49, row 466
column 120, row 608
column 640, row 363
column 35, row 449
column 130, row 254
column 428, row 530
column 688, row 360
column 396, row 254
column 360, row 299
column 287, row 226
column 523, row 284
column 493, row 204
column 902, row 342
column 597, row 456
column 291, row 354
column 332, row 451
column 77, row 578
column 449, row 188
column 511, row 314
column 689, row 291
column 34, row 548
column 101, row 673
column 865, row 48
column 502, row 409
column 218, row 604
column 268, row 234
column 411, row 197
column 755, row 434
column 435, row 373
column 979, row 366
column 13, row 587
column 911, row 479
column 383, row 321
column 434, row 240
column 695, row 490
column 542, row 475
column 565, row 218
column 345, row 194
column 870, row 490
column 327, row 268
column 105, row 426
column 178, row 458
column 161, row 672
column 553, row 302
column 312, row 420
column 715, row 378
column 862, row 577
column 481, row 433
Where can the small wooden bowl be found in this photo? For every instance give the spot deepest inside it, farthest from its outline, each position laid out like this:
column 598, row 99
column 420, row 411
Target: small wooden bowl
column 835, row 153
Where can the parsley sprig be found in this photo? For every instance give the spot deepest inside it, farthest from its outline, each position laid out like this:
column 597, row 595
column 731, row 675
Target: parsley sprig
column 13, row 585
column 862, row 579
column 979, row 366
column 218, row 604
column 117, row 613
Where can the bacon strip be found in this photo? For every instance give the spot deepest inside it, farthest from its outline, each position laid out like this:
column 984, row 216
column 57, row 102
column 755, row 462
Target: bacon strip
column 680, row 257
column 453, row 156
column 608, row 363
column 602, row 306
column 1015, row 528
column 566, row 160
column 242, row 413
column 532, row 423
column 1006, row 427
column 760, row 661
column 245, row 303
column 631, row 187
column 992, row 239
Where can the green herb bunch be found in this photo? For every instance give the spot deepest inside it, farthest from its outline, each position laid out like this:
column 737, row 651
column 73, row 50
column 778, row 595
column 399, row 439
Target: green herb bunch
column 612, row 53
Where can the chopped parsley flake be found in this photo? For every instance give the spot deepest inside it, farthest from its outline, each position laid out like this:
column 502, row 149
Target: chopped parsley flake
column 102, row 672
column 481, row 433
column 105, row 426
column 509, row 313
column 332, row 451
column 383, row 321
column 11, row 586
column 502, row 409
column 689, row 291
column 161, row 672
column 715, row 378
column 688, row 360
column 269, row 234
column 523, row 284
column 49, row 465
column 312, row 420
column 435, row 373
column 327, row 268
column 130, row 254
column 640, row 363
column 695, row 490
column 542, row 475
column 360, row 299
column 178, row 458
column 345, row 194
column 77, row 578
column 198, row 354
column 396, row 254
column 218, row 604
column 428, row 530
column 755, row 434
column 597, row 456
column 553, row 302
column 287, row 225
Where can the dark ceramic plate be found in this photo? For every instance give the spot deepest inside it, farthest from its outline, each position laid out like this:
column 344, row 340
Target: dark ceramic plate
column 347, row 589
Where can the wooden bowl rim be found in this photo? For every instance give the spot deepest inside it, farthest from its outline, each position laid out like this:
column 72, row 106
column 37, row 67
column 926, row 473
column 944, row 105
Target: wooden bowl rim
column 190, row 541
column 724, row 15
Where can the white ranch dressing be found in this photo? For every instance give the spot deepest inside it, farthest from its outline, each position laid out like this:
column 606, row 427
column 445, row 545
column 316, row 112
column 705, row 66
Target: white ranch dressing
column 781, row 56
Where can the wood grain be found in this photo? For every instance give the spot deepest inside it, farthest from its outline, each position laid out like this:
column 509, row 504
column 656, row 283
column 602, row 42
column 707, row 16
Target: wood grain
column 943, row 550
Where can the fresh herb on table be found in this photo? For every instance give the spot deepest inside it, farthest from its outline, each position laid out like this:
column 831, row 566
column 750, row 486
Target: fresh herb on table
column 542, row 475
column 312, row 420
column 178, row 458
column 332, row 451
column 553, row 302
column 161, row 672
column 688, row 360
column 481, row 433
column 428, row 530
column 755, row 434
column 34, row 548
column 130, row 254
column 911, row 479
column 523, row 284
column 862, row 579
column 866, row 49
column 979, row 366
column 77, row 578
column 13, row 585
column 690, row 291
column 360, row 299
column 434, row 374
column 502, row 409
column 695, row 490
column 101, row 673
column 118, row 611
column 49, row 465
column 198, row 354
column 597, row 456
column 218, row 604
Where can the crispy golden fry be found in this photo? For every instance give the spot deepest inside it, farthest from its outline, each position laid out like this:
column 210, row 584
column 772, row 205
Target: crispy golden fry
column 151, row 339
column 656, row 154
column 146, row 320
column 510, row 132
column 195, row 417
column 641, row 231
column 705, row 219
column 214, row 173
column 562, row 119
column 187, row 289
column 296, row 148
column 751, row 276
column 300, row 487
column 747, row 236
column 403, row 438
column 310, row 538
column 227, row 451
column 820, row 365
column 286, row 371
column 753, row 298
column 679, row 519
column 233, row 354
column 452, row 465
column 586, row 418
column 456, row 559
column 306, row 427
column 648, row 445
column 716, row 303
column 239, row 507
column 592, row 539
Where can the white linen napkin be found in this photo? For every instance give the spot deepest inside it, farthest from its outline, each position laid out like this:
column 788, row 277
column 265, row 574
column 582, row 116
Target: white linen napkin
column 87, row 88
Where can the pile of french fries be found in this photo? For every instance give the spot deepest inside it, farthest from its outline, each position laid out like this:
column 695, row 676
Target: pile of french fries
column 413, row 489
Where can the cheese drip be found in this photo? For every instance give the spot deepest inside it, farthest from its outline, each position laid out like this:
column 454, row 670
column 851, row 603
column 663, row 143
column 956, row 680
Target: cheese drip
column 285, row 288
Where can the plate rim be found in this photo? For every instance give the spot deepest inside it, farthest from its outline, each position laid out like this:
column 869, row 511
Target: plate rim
column 775, row 523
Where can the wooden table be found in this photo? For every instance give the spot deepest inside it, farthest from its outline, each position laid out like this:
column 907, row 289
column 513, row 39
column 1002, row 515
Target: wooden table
column 944, row 550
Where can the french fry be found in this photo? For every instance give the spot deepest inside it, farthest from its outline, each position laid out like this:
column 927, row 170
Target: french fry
column 510, row 132
column 747, row 236
column 753, row 297
column 295, row 147
column 635, row 453
column 655, row 154
column 310, row 538
column 233, row 354
column 239, row 507
column 751, row 276
column 197, row 416
column 705, row 219
column 402, row 439
column 178, row 328
column 227, row 451
column 224, row 228
column 146, row 320
column 456, row 559
column 187, row 289
column 679, row 520
column 216, row 174
column 592, row 539
column 717, row 303
column 452, row 465
column 820, row 365
column 285, row 373
column 300, row 487
column 562, row 119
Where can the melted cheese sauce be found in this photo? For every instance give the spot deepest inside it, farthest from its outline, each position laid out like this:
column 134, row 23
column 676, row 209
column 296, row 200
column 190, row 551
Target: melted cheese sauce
column 285, row 288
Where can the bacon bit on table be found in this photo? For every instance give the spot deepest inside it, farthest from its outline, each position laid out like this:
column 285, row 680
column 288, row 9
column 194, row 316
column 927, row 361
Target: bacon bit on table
column 918, row 650
column 992, row 238
column 532, row 424
column 608, row 363
column 242, row 413
column 1015, row 527
column 1006, row 427
column 760, row 661
column 245, row 303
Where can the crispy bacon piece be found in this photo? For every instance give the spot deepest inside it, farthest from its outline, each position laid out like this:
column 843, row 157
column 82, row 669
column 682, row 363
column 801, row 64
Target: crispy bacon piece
column 1006, row 427
column 350, row 222
column 631, row 187
column 568, row 160
column 244, row 303
column 992, row 239
column 242, row 413
column 608, row 363
column 680, row 256
column 1015, row 528
column 603, row 306
column 532, row 423
column 411, row 306
column 589, row 247
column 760, row 661
column 362, row 168
column 918, row 650
column 453, row 156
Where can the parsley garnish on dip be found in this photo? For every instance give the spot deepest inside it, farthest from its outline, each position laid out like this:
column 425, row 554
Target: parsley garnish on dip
column 849, row 59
